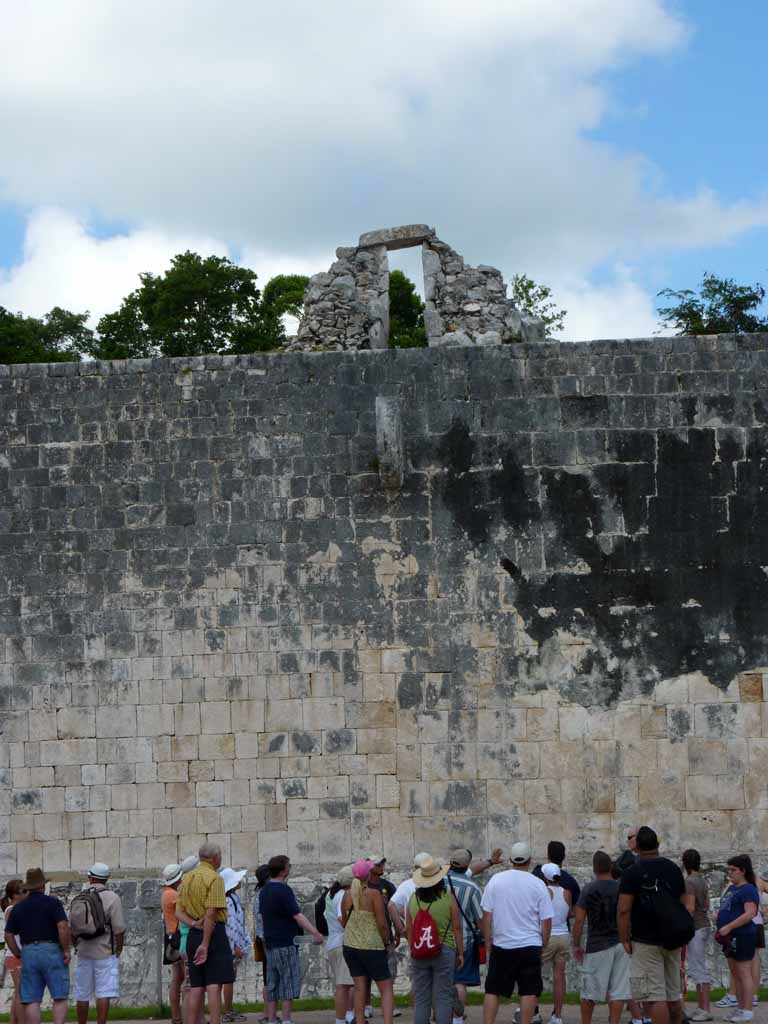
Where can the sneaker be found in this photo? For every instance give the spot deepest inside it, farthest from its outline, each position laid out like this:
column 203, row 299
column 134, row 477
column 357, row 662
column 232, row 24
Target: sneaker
column 701, row 1015
column 727, row 1000
column 368, row 1012
column 555, row 1020
column 536, row 1019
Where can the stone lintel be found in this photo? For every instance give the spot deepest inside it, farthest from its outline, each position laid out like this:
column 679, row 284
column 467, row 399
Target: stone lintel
column 402, row 237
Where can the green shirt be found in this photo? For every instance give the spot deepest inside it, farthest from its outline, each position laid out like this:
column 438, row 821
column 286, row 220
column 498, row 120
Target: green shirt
column 440, row 909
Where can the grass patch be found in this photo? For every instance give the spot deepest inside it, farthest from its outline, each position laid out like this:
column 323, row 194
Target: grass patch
column 473, row 999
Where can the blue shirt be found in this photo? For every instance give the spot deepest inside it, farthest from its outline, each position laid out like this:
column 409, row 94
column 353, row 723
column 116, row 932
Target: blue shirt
column 35, row 919
column 732, row 905
column 278, row 908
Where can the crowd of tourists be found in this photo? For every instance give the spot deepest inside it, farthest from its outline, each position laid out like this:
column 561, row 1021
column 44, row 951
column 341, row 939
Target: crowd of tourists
column 638, row 930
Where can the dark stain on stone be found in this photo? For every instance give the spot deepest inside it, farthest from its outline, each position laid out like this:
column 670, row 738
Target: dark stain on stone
column 305, row 742
column 277, row 743
column 410, row 691
column 335, row 808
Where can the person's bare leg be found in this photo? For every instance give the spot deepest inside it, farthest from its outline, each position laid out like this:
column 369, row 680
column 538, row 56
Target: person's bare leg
column 81, row 1007
column 227, row 995
column 59, row 1011
column 635, row 1009
column 659, row 1011
column 359, row 1000
column 31, row 1013
column 675, row 1010
column 193, row 1005
column 490, row 1008
column 587, row 1009
column 340, row 1001
column 214, row 1003
column 461, row 993
column 756, row 972
column 270, row 1009
column 702, row 996
column 527, row 1008
column 615, row 1008
column 174, row 990
column 287, row 1005
column 387, row 993
column 558, row 987
column 744, row 984
column 102, row 1010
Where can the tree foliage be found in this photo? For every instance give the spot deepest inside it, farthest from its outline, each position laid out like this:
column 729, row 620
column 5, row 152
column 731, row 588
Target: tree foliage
column 406, row 313
column 57, row 337
column 721, row 306
column 536, row 300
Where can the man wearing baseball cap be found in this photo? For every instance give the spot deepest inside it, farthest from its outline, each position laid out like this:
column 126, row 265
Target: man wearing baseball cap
column 97, row 973
column 516, row 923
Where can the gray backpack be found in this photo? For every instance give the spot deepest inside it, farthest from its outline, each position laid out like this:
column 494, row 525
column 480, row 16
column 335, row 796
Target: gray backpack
column 86, row 915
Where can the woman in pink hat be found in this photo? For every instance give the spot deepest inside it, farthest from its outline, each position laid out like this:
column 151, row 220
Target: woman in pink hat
column 366, row 940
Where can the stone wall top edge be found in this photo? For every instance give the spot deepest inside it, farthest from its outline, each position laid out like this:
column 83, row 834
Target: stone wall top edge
column 97, row 368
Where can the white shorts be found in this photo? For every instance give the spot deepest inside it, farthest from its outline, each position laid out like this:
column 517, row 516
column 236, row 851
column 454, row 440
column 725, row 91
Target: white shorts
column 696, row 958
column 97, row 978
column 605, row 975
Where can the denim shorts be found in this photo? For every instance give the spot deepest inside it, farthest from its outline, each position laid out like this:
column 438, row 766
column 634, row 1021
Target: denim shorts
column 42, row 963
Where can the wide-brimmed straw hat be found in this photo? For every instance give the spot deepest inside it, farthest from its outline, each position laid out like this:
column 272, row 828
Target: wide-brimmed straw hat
column 429, row 874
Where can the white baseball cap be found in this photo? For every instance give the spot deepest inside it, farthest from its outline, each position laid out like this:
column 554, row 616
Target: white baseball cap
column 550, row 871
column 520, row 853
column 171, row 874
column 98, row 870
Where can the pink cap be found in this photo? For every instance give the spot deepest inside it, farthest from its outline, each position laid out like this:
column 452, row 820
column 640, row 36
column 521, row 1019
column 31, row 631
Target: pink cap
column 361, row 869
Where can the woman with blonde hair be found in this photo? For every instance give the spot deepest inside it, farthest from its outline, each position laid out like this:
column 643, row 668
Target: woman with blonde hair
column 366, row 940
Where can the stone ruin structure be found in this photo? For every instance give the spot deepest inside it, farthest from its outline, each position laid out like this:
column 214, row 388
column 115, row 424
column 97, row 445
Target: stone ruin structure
column 347, row 307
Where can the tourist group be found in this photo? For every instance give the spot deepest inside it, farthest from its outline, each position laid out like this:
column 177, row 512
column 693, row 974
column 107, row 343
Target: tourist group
column 638, row 930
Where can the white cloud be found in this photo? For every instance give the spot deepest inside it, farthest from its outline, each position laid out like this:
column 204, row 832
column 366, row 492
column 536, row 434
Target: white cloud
column 619, row 308
column 286, row 130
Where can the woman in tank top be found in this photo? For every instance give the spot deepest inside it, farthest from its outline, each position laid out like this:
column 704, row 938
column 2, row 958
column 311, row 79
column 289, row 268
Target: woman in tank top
column 558, row 949
column 366, row 939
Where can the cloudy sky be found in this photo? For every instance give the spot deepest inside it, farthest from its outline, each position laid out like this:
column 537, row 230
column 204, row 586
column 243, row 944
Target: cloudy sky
column 607, row 148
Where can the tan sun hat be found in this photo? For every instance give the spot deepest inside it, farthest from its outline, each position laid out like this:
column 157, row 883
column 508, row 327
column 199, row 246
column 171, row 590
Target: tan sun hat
column 429, row 873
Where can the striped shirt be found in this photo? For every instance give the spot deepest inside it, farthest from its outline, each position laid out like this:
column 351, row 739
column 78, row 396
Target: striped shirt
column 200, row 890
column 467, row 895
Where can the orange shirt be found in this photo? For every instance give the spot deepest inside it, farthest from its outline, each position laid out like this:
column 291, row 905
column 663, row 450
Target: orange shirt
column 168, row 905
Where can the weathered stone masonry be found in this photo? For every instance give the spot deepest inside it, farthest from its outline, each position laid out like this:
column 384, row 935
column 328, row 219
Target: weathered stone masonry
column 536, row 607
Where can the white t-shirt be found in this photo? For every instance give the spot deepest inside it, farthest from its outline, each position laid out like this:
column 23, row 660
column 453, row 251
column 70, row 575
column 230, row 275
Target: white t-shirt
column 335, row 929
column 519, row 903
column 402, row 894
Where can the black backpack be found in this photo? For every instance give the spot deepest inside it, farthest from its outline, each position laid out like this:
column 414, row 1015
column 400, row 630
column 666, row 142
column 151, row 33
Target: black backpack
column 672, row 919
column 320, row 922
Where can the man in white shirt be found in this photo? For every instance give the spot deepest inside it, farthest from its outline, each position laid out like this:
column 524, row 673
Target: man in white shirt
column 516, row 923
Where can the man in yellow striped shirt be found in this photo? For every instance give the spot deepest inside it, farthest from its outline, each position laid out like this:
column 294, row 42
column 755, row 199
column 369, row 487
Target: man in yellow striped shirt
column 202, row 904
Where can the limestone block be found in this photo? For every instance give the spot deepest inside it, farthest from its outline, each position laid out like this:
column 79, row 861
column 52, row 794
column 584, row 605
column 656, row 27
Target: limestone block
column 217, row 746
column 74, row 723
column 573, row 722
column 248, row 715
column 638, row 758
column 628, row 722
column 353, row 764
column 43, row 725
column 187, row 719
column 237, row 792
column 215, row 717
column 150, row 796
column 750, row 687
column 182, row 794
column 403, row 237
column 156, row 719
column 23, row 828
column 708, row 829
column 29, row 853
column 387, row 791
column 663, row 789
column 133, row 853
column 118, row 823
column 626, row 796
column 114, row 720
column 94, row 824
column 137, row 749
column 294, row 766
column 140, row 823
column 284, row 715
column 82, row 854
column 209, row 794
column 674, row 690
column 542, row 796
column 76, row 798
column 56, row 855
column 121, row 774
column 756, row 790
column 63, row 775
column 65, row 752
column 653, row 721
column 161, row 850
column 100, row 798
column 589, row 832
column 53, row 799
column 173, row 771
column 163, row 823
column 414, row 799
column 208, row 819
column 376, row 741
column 182, row 748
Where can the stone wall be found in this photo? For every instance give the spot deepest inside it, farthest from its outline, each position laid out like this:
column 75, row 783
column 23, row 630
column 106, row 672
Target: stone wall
column 224, row 614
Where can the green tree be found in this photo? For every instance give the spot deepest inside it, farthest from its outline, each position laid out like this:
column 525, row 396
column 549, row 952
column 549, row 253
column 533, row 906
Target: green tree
column 406, row 313
column 536, row 300
column 719, row 307
column 199, row 306
column 57, row 337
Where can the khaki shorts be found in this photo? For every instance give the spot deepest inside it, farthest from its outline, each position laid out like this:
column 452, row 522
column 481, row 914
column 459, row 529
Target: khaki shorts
column 338, row 967
column 557, row 950
column 605, row 975
column 655, row 973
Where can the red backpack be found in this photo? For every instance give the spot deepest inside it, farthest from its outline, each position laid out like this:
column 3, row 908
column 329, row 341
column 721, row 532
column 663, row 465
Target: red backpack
column 425, row 938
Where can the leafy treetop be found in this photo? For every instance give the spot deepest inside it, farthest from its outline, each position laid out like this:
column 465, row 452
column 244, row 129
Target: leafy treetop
column 720, row 307
column 536, row 300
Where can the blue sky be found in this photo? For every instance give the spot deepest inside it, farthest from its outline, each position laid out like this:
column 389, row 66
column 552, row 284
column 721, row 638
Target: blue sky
column 608, row 149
